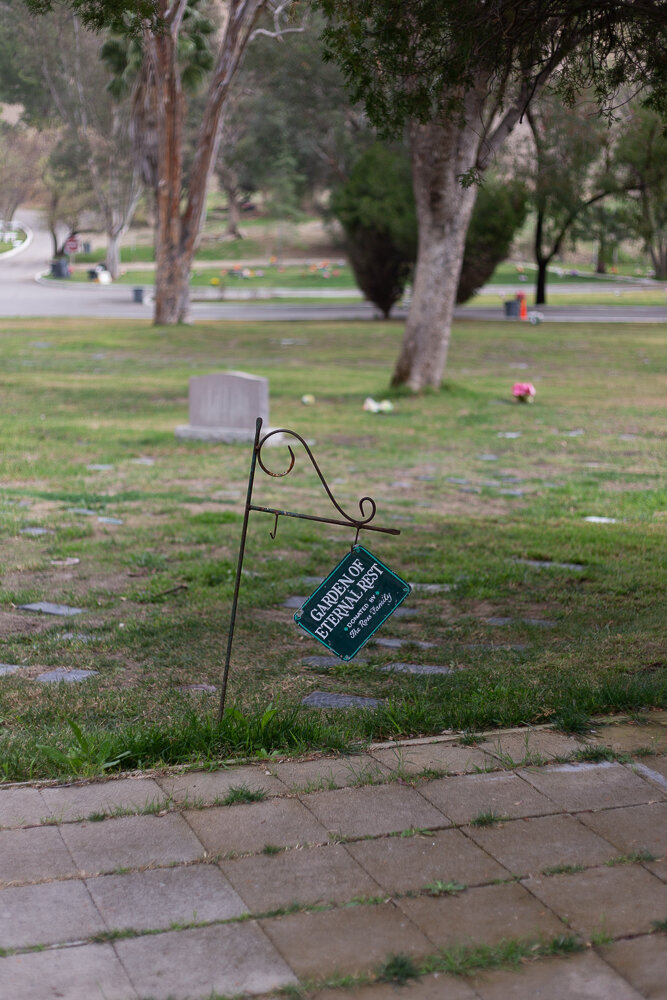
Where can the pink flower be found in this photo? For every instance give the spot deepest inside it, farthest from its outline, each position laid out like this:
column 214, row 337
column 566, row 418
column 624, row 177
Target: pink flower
column 523, row 391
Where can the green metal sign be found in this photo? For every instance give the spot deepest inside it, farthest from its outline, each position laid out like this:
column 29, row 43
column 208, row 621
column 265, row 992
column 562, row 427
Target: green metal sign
column 351, row 604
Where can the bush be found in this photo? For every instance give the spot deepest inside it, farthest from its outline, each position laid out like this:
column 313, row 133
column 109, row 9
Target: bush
column 376, row 209
column 377, row 212
column 500, row 209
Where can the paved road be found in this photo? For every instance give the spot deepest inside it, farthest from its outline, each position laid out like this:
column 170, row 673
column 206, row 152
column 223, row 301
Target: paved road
column 22, row 296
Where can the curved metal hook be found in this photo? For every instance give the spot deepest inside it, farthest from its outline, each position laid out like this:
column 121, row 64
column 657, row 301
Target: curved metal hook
column 364, row 519
column 272, row 534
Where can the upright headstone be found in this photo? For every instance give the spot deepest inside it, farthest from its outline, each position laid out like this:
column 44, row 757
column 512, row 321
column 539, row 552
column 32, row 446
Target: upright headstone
column 224, row 407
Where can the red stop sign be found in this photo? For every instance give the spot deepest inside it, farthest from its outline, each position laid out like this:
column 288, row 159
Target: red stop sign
column 71, row 244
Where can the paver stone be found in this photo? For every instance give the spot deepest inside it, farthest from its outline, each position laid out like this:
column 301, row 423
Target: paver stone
column 47, row 913
column 531, row 746
column 27, row 855
column 486, row 915
column 629, row 736
column 577, row 977
column 404, row 864
column 164, row 896
column 346, row 940
column 533, row 845
column 48, row 608
column 90, row 972
column 196, row 787
column 633, row 828
column 79, row 801
column 642, row 962
column 328, row 772
column 447, row 757
column 226, row 959
column 618, row 900
column 590, row 786
column 373, row 811
column 240, row 829
column 317, row 875
column 437, row 986
column 131, row 842
column 21, row 807
column 506, row 794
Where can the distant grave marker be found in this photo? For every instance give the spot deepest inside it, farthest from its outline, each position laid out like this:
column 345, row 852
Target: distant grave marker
column 47, row 608
column 325, row 699
column 65, row 676
column 224, row 407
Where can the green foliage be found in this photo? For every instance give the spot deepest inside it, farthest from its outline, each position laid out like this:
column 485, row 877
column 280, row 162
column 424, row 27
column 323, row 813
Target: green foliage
column 376, row 210
column 416, row 60
column 398, row 968
column 500, row 210
column 641, row 159
column 86, row 756
column 239, row 794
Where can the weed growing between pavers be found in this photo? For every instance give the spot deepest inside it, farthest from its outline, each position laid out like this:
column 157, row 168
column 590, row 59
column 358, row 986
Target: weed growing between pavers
column 157, row 588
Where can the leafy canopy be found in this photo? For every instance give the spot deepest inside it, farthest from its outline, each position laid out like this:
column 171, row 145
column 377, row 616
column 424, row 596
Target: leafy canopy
column 98, row 14
column 416, row 60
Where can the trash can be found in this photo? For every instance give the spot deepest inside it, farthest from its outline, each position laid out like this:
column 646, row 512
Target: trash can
column 60, row 268
column 511, row 307
column 138, row 295
column 87, row 248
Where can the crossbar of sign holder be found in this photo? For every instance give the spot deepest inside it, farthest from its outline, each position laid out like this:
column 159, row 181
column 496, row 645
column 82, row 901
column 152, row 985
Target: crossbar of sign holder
column 358, row 573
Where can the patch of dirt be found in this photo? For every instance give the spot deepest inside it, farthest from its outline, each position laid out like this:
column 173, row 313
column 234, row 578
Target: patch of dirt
column 18, row 623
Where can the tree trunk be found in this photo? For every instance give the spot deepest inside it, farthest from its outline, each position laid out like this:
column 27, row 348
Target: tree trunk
column 541, row 282
column 113, row 255
column 233, row 211
column 172, row 288
column 442, row 152
column 601, row 261
column 541, row 259
column 177, row 231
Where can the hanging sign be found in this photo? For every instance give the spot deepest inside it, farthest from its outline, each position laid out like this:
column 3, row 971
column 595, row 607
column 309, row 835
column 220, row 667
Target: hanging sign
column 351, row 604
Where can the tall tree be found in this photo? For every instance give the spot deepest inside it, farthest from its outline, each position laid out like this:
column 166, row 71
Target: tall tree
column 460, row 76
column 180, row 204
column 23, row 153
column 641, row 160
column 287, row 102
column 570, row 175
column 53, row 68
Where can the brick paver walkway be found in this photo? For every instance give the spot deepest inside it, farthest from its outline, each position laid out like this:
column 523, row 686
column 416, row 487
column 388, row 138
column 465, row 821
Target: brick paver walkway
column 152, row 887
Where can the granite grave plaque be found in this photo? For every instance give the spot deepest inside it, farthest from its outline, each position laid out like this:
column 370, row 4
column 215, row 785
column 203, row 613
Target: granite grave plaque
column 224, row 406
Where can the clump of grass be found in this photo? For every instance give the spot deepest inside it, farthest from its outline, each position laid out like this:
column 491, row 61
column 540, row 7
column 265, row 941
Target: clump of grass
column 238, row 794
column 563, row 869
column 635, row 858
column 487, row 818
column 398, row 969
column 440, row 888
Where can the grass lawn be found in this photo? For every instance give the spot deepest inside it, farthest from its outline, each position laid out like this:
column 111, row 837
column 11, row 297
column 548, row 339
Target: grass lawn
column 491, row 498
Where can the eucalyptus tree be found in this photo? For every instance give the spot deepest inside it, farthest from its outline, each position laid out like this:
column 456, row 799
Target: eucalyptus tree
column 459, row 76
column 180, row 195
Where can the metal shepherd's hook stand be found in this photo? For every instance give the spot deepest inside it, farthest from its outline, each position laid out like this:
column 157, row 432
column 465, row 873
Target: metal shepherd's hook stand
column 367, row 509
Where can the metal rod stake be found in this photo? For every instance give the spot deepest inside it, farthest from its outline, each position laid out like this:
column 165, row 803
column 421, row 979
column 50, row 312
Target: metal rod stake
column 239, row 568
